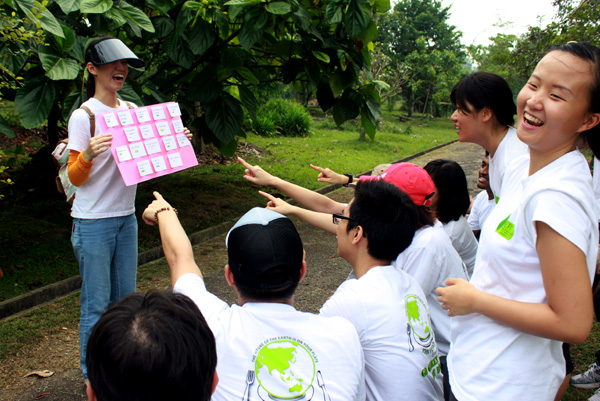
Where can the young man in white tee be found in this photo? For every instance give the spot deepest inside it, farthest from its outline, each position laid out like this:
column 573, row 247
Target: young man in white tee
column 386, row 305
column 266, row 348
column 484, row 201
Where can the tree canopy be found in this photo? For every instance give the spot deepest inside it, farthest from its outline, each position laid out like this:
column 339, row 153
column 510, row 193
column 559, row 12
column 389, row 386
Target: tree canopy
column 207, row 55
column 424, row 49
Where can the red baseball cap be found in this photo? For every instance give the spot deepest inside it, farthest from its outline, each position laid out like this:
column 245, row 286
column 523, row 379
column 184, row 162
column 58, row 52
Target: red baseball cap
column 410, row 178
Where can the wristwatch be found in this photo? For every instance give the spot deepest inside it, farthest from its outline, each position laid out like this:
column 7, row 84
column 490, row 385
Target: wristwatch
column 350, row 179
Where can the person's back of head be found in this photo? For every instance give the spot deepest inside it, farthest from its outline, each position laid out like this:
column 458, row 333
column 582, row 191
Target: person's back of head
column 387, row 215
column 452, row 194
column 265, row 256
column 154, row 346
column 484, row 89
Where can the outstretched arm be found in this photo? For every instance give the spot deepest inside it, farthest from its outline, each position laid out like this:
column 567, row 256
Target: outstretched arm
column 323, row 221
column 307, row 198
column 329, row 176
column 567, row 316
column 175, row 243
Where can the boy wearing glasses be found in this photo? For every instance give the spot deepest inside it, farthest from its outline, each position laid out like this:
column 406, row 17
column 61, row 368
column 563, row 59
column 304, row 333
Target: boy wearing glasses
column 386, row 306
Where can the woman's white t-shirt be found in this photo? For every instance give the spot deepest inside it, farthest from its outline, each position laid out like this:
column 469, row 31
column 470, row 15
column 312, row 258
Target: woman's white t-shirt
column 489, row 360
column 104, row 194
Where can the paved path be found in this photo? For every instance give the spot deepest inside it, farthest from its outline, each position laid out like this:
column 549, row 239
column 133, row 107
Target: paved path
column 326, row 272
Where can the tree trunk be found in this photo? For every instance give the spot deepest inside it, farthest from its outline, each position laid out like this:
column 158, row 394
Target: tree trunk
column 361, row 135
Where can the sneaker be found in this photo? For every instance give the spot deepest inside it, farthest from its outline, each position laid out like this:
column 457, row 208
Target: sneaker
column 595, row 396
column 588, row 379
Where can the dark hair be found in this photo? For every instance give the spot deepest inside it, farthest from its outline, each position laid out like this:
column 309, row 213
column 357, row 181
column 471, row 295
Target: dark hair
column 148, row 347
column 387, row 215
column 424, row 217
column 90, row 85
column 590, row 53
column 268, row 295
column 484, row 89
column 451, row 187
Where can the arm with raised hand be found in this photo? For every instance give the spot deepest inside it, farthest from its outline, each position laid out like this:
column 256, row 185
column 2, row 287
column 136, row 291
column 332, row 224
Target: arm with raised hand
column 175, row 242
column 329, row 176
column 323, row 221
column 307, row 198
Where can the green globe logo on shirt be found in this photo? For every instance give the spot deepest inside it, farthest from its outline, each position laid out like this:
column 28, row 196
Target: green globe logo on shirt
column 285, row 369
column 418, row 321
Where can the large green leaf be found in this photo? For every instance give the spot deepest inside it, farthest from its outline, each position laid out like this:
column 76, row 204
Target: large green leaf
column 255, row 19
column 67, row 42
column 161, row 5
column 302, row 18
column 163, row 26
column 56, row 67
column 368, row 122
column 248, row 36
column 232, row 58
column 241, row 2
column 5, row 128
column 178, row 51
column 246, row 74
column 46, row 19
column 115, row 18
column 222, row 23
column 324, row 57
column 68, row 6
column 333, row 13
column 128, row 93
column 355, row 21
column 248, row 100
column 278, row 7
column 95, row 6
column 206, row 87
column 381, row 6
column 370, row 33
column 228, row 149
column 201, row 37
column 224, row 117
column 325, row 97
column 72, row 102
column 345, row 109
column 135, row 16
column 34, row 101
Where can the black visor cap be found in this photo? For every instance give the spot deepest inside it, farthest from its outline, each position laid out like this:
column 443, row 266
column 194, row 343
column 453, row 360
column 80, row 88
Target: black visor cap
column 110, row 50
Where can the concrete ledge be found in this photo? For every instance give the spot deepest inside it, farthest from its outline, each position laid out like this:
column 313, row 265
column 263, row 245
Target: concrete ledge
column 48, row 293
column 38, row 296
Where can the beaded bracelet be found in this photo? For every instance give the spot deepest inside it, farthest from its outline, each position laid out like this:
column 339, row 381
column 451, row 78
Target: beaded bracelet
column 162, row 209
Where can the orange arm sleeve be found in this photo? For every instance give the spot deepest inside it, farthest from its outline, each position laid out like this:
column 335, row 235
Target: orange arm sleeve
column 79, row 168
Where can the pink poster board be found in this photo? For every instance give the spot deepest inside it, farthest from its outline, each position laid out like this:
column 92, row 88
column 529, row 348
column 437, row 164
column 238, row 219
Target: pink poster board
column 148, row 141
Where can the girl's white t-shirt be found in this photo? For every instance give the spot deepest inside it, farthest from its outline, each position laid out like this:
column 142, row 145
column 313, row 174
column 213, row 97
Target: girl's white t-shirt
column 104, row 194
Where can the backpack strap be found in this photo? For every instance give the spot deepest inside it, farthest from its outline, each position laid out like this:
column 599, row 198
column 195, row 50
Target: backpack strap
column 130, row 105
column 92, row 117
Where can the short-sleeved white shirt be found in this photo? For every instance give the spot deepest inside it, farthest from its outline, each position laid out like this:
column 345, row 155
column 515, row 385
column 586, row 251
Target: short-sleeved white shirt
column 388, row 309
column 508, row 150
column 431, row 260
column 489, row 360
column 104, row 194
column 291, row 353
column 463, row 240
column 481, row 209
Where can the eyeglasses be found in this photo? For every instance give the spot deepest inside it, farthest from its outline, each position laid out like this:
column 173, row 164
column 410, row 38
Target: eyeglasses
column 337, row 217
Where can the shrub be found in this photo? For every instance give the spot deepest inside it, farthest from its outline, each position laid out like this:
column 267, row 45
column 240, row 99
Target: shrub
column 279, row 117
